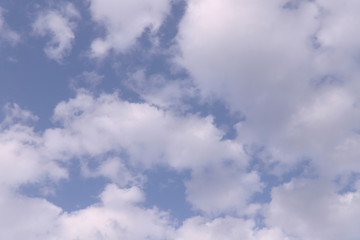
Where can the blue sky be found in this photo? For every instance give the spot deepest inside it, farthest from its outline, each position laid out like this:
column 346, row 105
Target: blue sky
column 179, row 119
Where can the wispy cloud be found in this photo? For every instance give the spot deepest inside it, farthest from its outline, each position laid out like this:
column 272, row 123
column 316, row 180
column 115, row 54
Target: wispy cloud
column 59, row 24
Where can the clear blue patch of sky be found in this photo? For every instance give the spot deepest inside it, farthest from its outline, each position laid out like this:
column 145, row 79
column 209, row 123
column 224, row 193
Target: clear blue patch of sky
column 71, row 194
column 27, row 76
column 165, row 189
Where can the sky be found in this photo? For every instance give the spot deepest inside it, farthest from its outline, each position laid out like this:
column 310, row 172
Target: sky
column 179, row 119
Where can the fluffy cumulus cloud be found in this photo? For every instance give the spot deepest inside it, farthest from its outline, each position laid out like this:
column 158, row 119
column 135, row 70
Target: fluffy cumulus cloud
column 25, row 159
column 222, row 189
column 118, row 215
column 336, row 39
column 191, row 143
column 228, row 228
column 59, row 25
column 181, row 142
column 24, row 217
column 124, row 22
column 320, row 213
column 148, row 136
column 289, row 71
column 254, row 63
column 290, row 68
column 290, row 172
column 22, row 160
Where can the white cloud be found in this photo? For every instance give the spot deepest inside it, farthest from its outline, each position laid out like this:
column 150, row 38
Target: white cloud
column 148, row 137
column 255, row 55
column 115, row 170
column 145, row 134
column 224, row 228
column 321, row 128
column 26, row 218
column 125, row 21
column 15, row 114
column 322, row 124
column 339, row 44
column 227, row 228
column 222, row 189
column 59, row 25
column 224, row 44
column 311, row 209
column 291, row 72
column 117, row 216
column 21, row 158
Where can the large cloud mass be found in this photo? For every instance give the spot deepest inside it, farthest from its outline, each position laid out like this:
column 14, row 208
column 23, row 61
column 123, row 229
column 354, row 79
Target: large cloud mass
column 290, row 68
column 289, row 172
column 286, row 66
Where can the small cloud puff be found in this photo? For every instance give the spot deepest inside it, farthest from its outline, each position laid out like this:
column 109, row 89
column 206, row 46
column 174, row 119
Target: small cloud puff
column 125, row 21
column 59, row 24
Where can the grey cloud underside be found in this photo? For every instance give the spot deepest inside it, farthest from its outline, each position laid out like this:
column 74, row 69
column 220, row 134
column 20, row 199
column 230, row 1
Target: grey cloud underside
column 290, row 68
